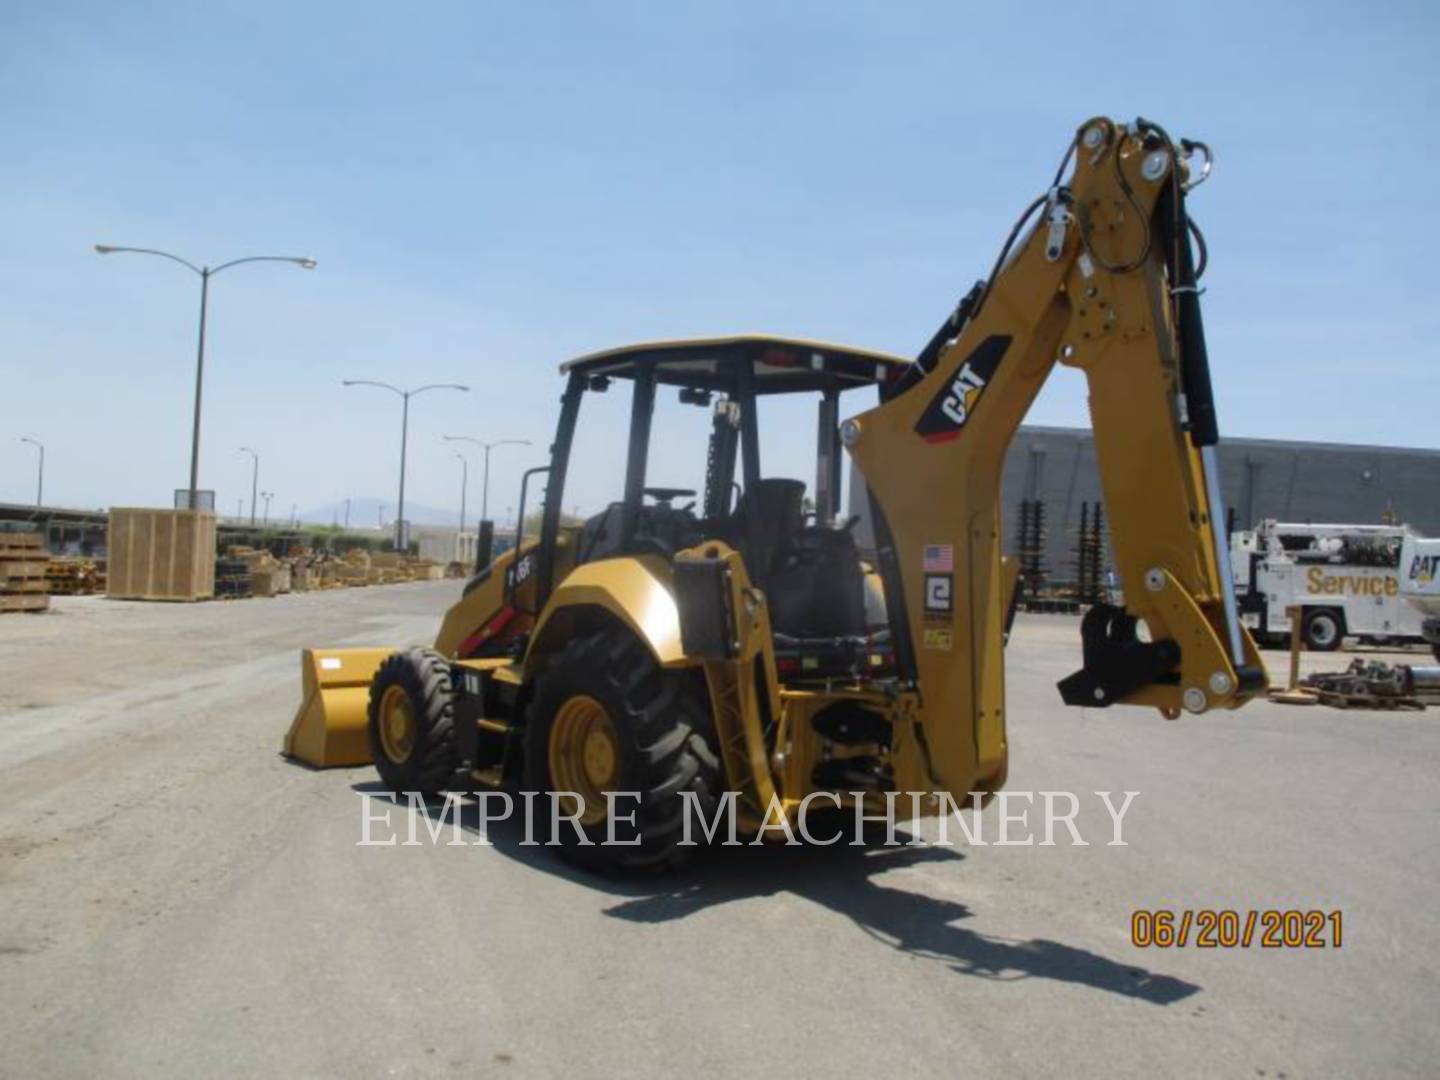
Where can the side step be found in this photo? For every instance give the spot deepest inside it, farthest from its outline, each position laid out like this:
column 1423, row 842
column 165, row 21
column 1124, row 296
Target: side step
column 487, row 740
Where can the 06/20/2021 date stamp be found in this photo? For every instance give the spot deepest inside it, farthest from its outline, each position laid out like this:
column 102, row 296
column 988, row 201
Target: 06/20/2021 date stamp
column 1227, row 928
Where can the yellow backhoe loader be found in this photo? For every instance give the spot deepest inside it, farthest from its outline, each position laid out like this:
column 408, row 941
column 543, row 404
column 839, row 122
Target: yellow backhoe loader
column 735, row 644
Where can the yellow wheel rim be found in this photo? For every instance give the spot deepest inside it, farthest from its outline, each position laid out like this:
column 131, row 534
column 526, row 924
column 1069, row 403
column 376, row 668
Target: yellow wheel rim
column 397, row 724
column 584, row 754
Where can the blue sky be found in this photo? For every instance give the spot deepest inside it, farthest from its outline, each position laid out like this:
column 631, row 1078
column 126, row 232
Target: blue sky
column 490, row 188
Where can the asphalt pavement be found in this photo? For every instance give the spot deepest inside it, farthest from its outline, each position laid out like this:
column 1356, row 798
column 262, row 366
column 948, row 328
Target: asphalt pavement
column 178, row 899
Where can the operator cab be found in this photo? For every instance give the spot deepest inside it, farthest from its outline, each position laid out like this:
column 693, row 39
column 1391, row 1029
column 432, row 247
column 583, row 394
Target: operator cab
column 794, row 547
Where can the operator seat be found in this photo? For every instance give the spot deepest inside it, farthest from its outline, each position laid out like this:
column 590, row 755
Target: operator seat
column 811, row 575
column 768, row 521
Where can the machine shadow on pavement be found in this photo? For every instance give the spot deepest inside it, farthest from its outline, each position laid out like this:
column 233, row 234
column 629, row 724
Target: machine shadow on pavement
column 842, row 879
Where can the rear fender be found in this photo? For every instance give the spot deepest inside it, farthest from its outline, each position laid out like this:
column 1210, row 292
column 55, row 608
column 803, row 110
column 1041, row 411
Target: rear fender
column 637, row 592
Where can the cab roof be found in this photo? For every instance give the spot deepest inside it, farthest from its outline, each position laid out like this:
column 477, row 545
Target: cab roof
column 780, row 365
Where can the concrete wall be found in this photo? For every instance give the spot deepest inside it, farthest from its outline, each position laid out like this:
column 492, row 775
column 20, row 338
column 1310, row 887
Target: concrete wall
column 1260, row 478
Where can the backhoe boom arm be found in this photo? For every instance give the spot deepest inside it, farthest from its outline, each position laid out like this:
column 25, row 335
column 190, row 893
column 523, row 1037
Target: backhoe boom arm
column 1104, row 283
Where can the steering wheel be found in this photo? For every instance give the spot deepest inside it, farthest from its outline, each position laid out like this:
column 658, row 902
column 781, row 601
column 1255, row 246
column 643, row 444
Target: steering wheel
column 663, row 495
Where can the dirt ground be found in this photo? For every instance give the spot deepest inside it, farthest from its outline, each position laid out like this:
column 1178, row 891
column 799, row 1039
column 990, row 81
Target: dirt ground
column 179, row 899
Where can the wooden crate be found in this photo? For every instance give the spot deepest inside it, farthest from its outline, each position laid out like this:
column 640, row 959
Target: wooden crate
column 270, row 581
column 304, row 577
column 161, row 554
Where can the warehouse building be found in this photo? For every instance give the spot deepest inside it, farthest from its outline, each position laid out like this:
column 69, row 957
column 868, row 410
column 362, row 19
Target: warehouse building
column 1260, row 478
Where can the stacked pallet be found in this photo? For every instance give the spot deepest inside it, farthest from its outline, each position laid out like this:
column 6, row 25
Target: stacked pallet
column 342, row 574
column 353, row 569
column 388, row 568
column 75, row 575
column 304, row 576
column 232, row 578
column 23, row 562
column 426, row 570
column 314, row 571
column 247, row 571
column 269, row 576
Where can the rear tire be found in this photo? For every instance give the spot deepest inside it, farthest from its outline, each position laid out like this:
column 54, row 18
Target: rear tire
column 412, row 722
column 1323, row 629
column 607, row 717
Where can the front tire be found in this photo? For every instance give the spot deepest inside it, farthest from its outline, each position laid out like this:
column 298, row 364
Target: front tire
column 607, row 718
column 1323, row 630
column 411, row 722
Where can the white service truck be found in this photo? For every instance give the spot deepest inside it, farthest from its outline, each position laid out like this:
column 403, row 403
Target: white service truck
column 1345, row 579
column 1420, row 584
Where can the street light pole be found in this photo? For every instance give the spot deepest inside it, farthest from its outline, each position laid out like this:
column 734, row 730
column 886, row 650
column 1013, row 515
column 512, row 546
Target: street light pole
column 405, row 396
column 205, row 273
column 199, row 384
column 464, row 485
column 347, row 515
column 487, row 447
column 40, row 480
column 404, row 436
column 267, row 496
column 254, row 480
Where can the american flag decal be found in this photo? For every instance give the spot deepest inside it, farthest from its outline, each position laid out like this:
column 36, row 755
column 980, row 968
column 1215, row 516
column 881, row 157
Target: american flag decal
column 939, row 559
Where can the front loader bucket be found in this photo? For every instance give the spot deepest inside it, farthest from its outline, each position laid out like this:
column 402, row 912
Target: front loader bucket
column 329, row 728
